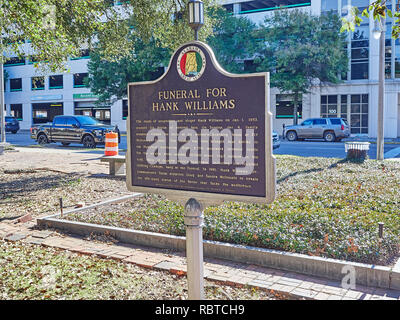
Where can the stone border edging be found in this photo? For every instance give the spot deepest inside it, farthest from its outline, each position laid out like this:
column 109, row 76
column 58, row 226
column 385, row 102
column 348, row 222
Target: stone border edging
column 366, row 274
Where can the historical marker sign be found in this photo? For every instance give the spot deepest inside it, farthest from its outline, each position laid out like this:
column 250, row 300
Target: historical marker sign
column 201, row 132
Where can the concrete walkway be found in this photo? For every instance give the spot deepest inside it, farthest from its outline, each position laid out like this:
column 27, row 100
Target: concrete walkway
column 288, row 284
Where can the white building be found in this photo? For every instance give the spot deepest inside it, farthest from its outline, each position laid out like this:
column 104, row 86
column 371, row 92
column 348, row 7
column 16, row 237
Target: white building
column 356, row 99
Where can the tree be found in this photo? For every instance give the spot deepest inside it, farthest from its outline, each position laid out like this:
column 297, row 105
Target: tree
column 58, row 29
column 380, row 10
column 234, row 39
column 109, row 79
column 301, row 50
column 149, row 47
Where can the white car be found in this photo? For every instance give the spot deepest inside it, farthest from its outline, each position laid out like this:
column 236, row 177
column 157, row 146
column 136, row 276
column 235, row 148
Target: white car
column 276, row 143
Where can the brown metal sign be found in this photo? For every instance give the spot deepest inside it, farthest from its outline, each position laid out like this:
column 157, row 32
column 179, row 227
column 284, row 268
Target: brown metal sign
column 201, row 132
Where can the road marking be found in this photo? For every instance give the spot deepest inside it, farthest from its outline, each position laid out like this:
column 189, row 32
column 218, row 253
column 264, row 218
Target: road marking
column 392, row 153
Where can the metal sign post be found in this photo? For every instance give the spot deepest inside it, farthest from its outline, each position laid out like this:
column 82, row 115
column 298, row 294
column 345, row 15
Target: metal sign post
column 194, row 249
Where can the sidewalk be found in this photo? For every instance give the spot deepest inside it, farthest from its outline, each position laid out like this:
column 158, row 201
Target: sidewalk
column 288, row 284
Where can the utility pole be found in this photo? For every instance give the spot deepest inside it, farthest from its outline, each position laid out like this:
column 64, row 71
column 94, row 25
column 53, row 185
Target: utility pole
column 2, row 115
column 381, row 94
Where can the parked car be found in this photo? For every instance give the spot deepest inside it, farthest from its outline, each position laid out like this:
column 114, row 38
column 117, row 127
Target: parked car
column 73, row 129
column 276, row 143
column 12, row 125
column 329, row 129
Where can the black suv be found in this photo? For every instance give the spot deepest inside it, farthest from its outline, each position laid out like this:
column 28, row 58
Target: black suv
column 73, row 129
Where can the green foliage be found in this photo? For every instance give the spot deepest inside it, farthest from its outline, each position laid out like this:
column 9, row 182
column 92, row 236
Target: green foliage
column 109, row 79
column 379, row 10
column 55, row 28
column 300, row 49
column 233, row 38
column 58, row 29
column 324, row 207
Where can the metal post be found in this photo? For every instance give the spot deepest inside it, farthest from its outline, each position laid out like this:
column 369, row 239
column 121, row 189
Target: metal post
column 381, row 95
column 2, row 116
column 380, row 228
column 61, row 207
column 194, row 249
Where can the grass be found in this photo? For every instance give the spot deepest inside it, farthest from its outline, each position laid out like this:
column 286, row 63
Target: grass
column 324, row 207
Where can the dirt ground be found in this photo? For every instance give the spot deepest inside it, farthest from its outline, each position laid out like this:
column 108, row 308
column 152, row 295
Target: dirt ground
column 68, row 161
column 33, row 181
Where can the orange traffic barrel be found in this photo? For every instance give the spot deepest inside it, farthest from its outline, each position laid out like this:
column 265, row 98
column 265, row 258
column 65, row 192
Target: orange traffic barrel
column 111, row 147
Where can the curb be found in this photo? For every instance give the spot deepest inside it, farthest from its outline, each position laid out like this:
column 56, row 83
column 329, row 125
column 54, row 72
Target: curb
column 365, row 274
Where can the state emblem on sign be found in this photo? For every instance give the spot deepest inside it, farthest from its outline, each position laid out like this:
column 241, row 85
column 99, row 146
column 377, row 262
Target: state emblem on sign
column 191, row 63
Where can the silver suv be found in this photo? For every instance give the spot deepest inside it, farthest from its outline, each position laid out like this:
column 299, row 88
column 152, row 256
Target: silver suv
column 329, row 129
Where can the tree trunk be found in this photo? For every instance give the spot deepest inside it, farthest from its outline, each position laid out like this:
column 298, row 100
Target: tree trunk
column 295, row 108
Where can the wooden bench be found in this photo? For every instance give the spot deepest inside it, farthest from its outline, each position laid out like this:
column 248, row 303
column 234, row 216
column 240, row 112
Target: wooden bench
column 116, row 163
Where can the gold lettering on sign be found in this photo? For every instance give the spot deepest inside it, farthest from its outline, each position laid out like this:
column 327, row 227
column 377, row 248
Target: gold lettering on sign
column 216, row 99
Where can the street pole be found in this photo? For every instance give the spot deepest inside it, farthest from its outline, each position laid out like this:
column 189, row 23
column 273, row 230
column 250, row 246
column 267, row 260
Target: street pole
column 194, row 249
column 2, row 116
column 381, row 95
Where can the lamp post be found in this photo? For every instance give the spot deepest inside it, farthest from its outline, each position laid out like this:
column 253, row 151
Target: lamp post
column 196, row 16
column 2, row 115
column 379, row 33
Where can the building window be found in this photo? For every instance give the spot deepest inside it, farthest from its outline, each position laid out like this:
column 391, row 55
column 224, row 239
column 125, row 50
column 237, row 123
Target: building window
column 329, row 5
column 56, row 82
column 329, row 106
column 388, row 58
column 397, row 59
column 285, row 107
column 16, row 111
column 359, row 114
column 334, row 106
column 361, row 4
column 260, row 6
column 15, row 84
column 15, row 61
column 388, row 46
column 45, row 112
column 79, row 80
column 228, row 7
column 124, row 109
column 345, row 74
column 37, row 83
column 360, row 53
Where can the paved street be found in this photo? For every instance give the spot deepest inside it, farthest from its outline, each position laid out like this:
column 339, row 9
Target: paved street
column 311, row 148
column 319, row 148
